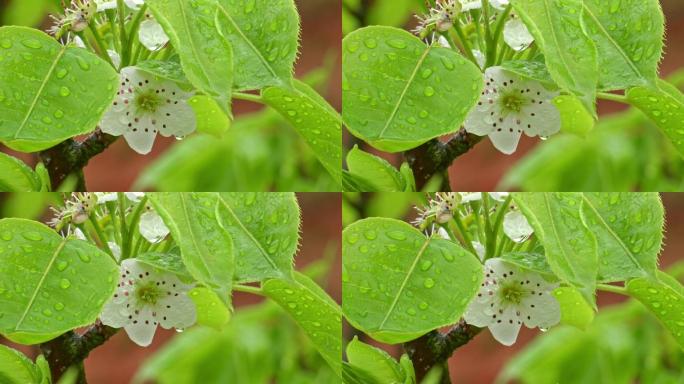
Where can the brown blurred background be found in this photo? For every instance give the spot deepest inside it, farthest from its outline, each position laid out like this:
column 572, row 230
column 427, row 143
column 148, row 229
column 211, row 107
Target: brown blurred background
column 118, row 360
column 118, row 167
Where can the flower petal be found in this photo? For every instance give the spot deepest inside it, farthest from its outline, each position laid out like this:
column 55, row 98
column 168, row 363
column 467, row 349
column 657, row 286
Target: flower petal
column 177, row 311
column 541, row 119
column 540, row 310
column 141, row 330
column 516, row 34
column 176, row 119
column 480, row 249
column 516, row 227
column 478, row 312
column 499, row 4
column 141, row 135
column 114, row 315
column 505, row 329
column 116, row 250
column 468, row 5
column 152, row 227
column 505, row 135
column 152, row 35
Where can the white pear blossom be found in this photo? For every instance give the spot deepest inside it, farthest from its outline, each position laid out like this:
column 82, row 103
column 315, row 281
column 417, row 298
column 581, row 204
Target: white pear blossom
column 511, row 105
column 510, row 297
column 152, row 227
column 468, row 197
column 516, row 34
column 146, row 298
column 499, row 4
column 152, row 35
column 103, row 5
column 516, row 226
column 469, row 5
column 116, row 250
column 146, row 105
column 105, row 197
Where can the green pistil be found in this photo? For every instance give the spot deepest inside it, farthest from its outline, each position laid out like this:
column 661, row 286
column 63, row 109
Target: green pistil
column 511, row 294
column 512, row 102
column 148, row 294
column 147, row 101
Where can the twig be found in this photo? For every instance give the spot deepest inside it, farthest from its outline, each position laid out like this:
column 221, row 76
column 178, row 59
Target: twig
column 435, row 157
column 434, row 349
column 71, row 349
column 71, row 156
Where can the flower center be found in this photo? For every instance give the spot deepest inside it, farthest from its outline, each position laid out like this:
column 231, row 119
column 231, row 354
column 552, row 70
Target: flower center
column 510, row 293
column 147, row 101
column 512, row 102
column 148, row 294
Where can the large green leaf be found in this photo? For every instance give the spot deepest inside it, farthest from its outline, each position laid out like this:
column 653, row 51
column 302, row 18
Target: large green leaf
column 318, row 314
column 206, row 56
column 664, row 106
column 265, row 230
column 399, row 93
column 49, row 284
column 206, row 246
column 375, row 362
column 664, row 297
column 377, row 173
column 15, row 368
column 575, row 310
column 49, row 92
column 398, row 284
column 629, row 232
column 569, row 245
column 15, row 176
column 265, row 40
column 570, row 54
column 629, row 39
column 314, row 119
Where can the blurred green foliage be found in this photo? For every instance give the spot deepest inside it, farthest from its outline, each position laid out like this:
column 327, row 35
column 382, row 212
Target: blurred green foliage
column 28, row 13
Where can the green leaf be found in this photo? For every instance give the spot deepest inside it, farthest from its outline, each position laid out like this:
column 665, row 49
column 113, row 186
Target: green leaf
column 15, row 176
column 206, row 56
column 45, row 281
column 529, row 260
column 399, row 93
column 169, row 262
column 49, row 92
column 317, row 314
column 629, row 231
column 575, row 118
column 574, row 309
column 570, row 246
column 314, row 119
column 374, row 361
column 397, row 284
column 664, row 299
column 265, row 40
column 206, row 246
column 377, row 172
column 570, row 54
column 629, row 40
column 43, row 368
column 169, row 70
column 533, row 70
column 210, row 118
column 664, row 106
column 15, row 368
column 265, row 231
column 211, row 312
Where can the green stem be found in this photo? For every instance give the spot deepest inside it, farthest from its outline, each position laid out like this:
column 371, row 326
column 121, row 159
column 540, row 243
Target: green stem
column 468, row 50
column 111, row 16
column 247, row 289
column 248, row 97
column 101, row 47
column 498, row 222
column 464, row 232
column 492, row 56
column 135, row 218
column 104, row 241
column 613, row 97
column 488, row 32
column 124, row 228
column 489, row 231
column 121, row 8
column 612, row 288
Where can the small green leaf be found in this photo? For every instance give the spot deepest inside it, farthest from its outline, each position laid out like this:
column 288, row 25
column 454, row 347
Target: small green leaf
column 664, row 299
column 206, row 56
column 575, row 118
column 397, row 284
column 629, row 40
column 570, row 246
column 570, row 54
column 210, row 309
column 15, row 368
column 664, row 106
column 574, row 309
column 265, row 230
column 47, row 291
column 314, row 119
column 169, row 70
column 210, row 118
column 377, row 172
column 15, row 176
column 629, row 232
column 49, row 92
column 399, row 93
column 169, row 262
column 206, row 246
column 312, row 308
column 376, row 362
column 265, row 40
column 533, row 70
column 43, row 368
column 529, row 260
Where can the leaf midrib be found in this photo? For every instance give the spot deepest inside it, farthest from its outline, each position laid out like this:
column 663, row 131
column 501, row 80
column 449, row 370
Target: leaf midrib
column 249, row 234
column 40, row 92
column 40, row 283
column 547, row 13
column 192, row 235
column 612, row 233
column 403, row 284
column 261, row 57
column 547, row 205
column 195, row 53
column 618, row 47
column 403, row 93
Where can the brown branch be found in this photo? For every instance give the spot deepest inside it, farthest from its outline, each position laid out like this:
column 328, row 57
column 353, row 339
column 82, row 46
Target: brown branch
column 71, row 349
column 434, row 349
column 71, row 156
column 435, row 157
